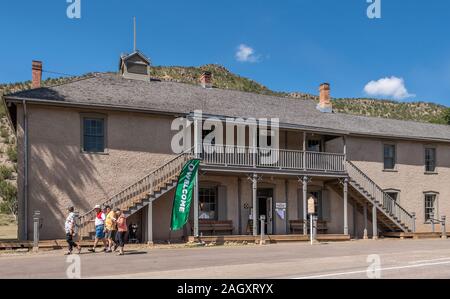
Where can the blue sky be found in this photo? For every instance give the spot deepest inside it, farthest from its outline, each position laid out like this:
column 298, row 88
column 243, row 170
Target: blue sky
column 297, row 44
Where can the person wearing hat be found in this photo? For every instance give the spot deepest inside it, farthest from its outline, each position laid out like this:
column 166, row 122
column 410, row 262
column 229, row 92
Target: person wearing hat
column 70, row 227
column 99, row 228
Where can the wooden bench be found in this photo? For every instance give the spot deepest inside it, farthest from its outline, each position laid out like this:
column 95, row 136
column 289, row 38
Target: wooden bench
column 297, row 226
column 211, row 227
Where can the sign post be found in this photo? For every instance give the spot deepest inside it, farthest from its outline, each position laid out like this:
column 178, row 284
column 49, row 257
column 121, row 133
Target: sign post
column 311, row 212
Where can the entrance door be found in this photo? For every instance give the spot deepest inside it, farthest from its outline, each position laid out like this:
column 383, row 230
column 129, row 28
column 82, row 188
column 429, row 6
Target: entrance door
column 265, row 202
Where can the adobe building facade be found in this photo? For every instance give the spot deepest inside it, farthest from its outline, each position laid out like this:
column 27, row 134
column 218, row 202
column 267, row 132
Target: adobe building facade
column 75, row 151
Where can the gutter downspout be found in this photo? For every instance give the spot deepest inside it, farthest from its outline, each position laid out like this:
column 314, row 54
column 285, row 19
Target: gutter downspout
column 25, row 188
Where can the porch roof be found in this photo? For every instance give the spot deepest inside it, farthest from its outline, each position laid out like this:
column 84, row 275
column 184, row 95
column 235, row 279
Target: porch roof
column 110, row 91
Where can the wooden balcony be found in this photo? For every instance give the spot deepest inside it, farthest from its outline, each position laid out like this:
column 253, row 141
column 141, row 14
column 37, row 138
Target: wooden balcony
column 273, row 160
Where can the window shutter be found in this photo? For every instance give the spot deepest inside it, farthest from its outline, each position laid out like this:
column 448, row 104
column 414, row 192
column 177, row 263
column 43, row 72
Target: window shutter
column 326, row 205
column 222, row 203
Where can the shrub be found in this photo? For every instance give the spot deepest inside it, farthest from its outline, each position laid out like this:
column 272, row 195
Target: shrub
column 5, row 172
column 4, row 133
column 447, row 116
column 12, row 153
column 8, row 192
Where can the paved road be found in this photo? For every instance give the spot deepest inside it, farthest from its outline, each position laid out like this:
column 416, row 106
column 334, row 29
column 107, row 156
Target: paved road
column 397, row 259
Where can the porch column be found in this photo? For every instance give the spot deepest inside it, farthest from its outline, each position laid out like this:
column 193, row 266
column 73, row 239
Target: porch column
column 286, row 219
column 196, row 232
column 198, row 129
column 304, row 151
column 239, row 206
column 346, row 206
column 150, row 223
column 345, row 146
column 374, row 222
column 365, row 237
column 254, row 194
column 305, row 194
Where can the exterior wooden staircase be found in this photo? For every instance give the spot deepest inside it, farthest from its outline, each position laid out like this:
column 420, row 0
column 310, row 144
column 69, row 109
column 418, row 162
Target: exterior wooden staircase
column 363, row 191
column 138, row 195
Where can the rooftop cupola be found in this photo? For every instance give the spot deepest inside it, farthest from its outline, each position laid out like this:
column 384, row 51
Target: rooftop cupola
column 135, row 66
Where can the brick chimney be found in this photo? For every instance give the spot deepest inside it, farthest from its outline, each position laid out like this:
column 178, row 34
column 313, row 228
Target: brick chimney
column 325, row 105
column 206, row 80
column 36, row 67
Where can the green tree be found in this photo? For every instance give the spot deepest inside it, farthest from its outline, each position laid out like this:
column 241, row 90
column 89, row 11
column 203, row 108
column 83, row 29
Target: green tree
column 447, row 116
column 8, row 193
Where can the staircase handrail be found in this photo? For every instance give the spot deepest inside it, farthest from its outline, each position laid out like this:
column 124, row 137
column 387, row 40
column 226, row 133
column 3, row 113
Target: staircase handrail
column 403, row 214
column 136, row 187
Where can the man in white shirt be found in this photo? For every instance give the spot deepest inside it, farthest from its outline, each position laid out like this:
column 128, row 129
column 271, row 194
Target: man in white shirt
column 70, row 227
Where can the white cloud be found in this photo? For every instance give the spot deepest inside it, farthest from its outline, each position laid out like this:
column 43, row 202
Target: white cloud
column 245, row 53
column 392, row 87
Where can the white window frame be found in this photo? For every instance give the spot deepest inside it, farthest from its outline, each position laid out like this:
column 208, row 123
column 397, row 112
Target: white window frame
column 436, row 205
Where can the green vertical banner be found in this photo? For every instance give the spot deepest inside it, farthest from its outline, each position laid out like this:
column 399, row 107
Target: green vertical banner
column 183, row 195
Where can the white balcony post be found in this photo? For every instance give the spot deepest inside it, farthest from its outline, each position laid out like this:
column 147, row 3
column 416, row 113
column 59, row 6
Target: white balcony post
column 374, row 222
column 198, row 129
column 196, row 207
column 345, row 147
column 254, row 199
column 365, row 237
column 346, row 206
column 253, row 131
column 304, row 151
column 305, row 194
column 150, row 223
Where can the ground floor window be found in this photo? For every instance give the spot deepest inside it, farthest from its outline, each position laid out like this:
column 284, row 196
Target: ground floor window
column 431, row 211
column 208, row 203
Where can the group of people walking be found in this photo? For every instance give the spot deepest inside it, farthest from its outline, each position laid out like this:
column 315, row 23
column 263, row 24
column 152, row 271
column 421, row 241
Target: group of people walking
column 110, row 228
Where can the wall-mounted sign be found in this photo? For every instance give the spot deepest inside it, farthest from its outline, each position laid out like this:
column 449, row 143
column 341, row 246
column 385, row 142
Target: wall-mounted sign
column 280, row 205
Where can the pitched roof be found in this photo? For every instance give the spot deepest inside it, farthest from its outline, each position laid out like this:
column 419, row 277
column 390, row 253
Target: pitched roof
column 110, row 90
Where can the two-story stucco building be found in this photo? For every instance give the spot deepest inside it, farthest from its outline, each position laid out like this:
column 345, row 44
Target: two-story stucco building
column 107, row 139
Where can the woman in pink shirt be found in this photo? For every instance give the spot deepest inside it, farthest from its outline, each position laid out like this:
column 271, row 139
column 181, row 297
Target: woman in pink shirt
column 122, row 229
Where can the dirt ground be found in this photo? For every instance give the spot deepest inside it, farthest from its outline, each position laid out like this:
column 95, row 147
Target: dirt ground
column 8, row 227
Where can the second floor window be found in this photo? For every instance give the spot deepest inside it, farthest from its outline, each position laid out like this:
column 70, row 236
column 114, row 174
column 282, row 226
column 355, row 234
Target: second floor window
column 93, row 135
column 389, row 157
column 430, row 159
column 430, row 206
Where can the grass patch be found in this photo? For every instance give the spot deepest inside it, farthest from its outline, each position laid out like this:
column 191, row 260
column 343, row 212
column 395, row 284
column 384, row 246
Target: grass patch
column 5, row 172
column 12, row 153
column 6, row 220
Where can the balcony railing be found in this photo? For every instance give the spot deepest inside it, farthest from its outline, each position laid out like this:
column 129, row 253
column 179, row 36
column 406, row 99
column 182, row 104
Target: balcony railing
column 243, row 156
